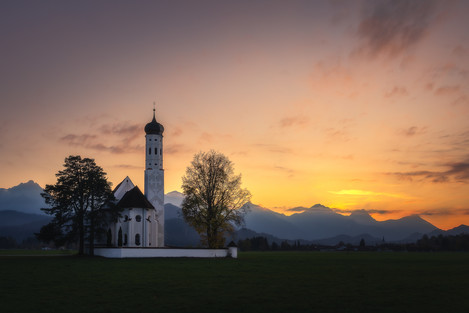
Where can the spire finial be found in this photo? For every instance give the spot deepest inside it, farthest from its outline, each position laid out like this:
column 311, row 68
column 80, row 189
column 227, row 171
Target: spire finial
column 154, row 104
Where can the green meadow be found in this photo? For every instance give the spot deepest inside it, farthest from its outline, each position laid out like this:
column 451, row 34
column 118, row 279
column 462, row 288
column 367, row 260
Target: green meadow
column 255, row 282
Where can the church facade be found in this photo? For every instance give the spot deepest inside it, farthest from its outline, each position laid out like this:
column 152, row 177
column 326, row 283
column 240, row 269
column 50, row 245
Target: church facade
column 141, row 224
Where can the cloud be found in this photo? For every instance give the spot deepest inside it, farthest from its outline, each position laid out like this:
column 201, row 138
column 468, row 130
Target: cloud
column 461, row 101
column 412, row 131
column 90, row 141
column 299, row 121
column 457, row 172
column 357, row 192
column 369, row 211
column 177, row 131
column 176, row 149
column 336, row 134
column 273, row 148
column 397, row 91
column 447, row 90
column 127, row 166
column 444, row 212
column 297, row 209
column 77, row 140
column 392, row 26
column 288, row 171
column 460, row 51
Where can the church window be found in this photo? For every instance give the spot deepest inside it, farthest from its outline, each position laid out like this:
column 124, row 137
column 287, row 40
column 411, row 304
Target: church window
column 125, row 239
column 138, row 218
column 137, row 239
column 156, row 151
column 149, row 150
column 126, row 218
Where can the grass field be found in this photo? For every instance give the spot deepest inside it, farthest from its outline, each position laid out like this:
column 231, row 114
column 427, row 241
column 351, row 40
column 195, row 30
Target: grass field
column 255, row 282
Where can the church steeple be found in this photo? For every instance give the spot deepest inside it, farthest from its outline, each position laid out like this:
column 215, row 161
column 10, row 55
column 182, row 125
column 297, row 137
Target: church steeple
column 154, row 128
column 154, row 173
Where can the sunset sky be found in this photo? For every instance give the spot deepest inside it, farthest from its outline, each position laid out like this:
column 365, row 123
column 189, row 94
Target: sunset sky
column 351, row 104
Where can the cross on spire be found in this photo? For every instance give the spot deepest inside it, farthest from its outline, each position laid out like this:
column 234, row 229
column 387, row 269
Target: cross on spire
column 154, row 104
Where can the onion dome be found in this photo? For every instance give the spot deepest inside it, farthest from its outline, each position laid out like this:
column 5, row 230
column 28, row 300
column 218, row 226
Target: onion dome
column 154, row 128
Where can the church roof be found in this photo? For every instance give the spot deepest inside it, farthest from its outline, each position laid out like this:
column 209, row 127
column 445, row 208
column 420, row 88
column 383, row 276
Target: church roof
column 154, row 128
column 122, row 188
column 134, row 198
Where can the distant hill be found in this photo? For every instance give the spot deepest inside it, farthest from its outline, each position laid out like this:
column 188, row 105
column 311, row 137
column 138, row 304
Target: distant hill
column 176, row 231
column 319, row 222
column 21, row 225
column 25, row 197
column 174, row 197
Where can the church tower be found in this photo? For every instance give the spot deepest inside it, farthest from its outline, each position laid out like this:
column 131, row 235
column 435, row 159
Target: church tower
column 154, row 174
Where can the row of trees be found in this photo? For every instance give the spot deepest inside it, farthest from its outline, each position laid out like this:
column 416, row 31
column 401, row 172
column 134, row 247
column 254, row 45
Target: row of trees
column 11, row 243
column 434, row 243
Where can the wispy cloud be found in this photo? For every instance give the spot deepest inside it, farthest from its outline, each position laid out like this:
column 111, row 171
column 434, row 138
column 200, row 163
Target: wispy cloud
column 358, row 192
column 447, row 90
column 77, row 140
column 296, row 209
column 392, row 26
column 174, row 149
column 127, row 166
column 288, row 171
column 397, row 91
column 273, row 148
column 457, row 172
column 444, row 212
column 369, row 211
column 413, row 131
column 299, row 121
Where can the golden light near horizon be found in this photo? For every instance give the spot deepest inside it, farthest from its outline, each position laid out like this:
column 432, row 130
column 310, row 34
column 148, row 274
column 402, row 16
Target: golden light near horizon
column 354, row 105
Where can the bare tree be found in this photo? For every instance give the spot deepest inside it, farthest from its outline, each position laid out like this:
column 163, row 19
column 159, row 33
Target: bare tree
column 214, row 199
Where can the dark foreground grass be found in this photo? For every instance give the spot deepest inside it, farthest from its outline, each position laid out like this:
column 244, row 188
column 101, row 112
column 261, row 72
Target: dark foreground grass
column 256, row 282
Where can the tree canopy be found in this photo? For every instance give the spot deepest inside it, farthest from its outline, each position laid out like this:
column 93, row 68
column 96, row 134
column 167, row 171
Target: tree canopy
column 214, row 199
column 76, row 201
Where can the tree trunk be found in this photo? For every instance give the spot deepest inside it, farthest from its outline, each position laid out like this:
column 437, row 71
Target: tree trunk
column 81, row 235
column 91, row 252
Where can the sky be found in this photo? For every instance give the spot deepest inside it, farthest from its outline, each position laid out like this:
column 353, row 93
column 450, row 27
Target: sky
column 351, row 104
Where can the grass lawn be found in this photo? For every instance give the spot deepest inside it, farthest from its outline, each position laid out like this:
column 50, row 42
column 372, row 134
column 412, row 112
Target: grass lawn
column 255, row 282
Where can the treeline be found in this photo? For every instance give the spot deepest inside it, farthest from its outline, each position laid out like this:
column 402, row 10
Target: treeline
column 426, row 243
column 28, row 243
column 261, row 244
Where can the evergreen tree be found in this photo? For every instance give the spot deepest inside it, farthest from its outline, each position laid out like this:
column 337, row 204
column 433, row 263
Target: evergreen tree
column 76, row 202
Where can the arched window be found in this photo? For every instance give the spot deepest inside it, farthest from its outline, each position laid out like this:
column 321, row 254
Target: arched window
column 138, row 218
column 137, row 239
column 149, row 150
column 156, row 151
column 125, row 239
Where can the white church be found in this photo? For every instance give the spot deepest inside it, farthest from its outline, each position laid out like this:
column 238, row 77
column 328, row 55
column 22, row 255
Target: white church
column 142, row 217
column 139, row 231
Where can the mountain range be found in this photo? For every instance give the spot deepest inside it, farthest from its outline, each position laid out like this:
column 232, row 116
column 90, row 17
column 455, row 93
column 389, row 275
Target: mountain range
column 20, row 217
